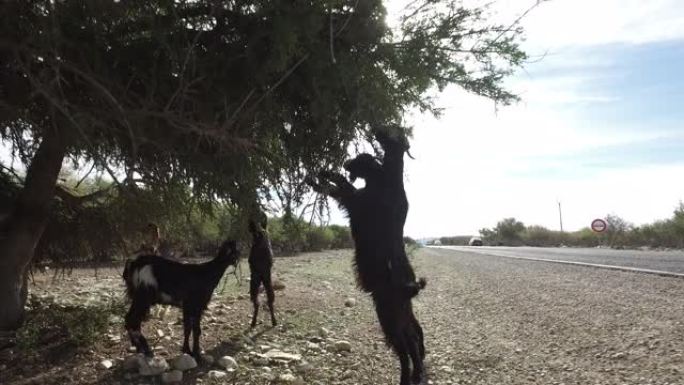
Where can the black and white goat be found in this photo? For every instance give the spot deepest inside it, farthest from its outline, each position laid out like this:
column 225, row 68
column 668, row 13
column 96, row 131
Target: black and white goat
column 377, row 213
column 152, row 280
column 260, row 265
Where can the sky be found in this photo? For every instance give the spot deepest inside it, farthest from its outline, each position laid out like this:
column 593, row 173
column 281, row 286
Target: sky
column 599, row 127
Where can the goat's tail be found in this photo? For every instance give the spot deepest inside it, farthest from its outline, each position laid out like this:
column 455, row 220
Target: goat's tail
column 413, row 288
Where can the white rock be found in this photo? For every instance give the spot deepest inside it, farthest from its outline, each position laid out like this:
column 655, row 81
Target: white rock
column 114, row 338
column 152, row 367
column 172, row 377
column 217, row 375
column 184, row 362
column 350, row 302
column 275, row 354
column 343, row 346
column 160, row 333
column 228, row 363
column 107, row 364
column 323, row 332
column 287, row 378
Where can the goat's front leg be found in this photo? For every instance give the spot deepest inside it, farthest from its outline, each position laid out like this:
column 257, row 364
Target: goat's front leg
column 133, row 323
column 196, row 332
column 335, row 185
column 187, row 328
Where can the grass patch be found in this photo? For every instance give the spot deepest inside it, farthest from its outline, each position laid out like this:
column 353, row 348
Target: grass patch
column 76, row 325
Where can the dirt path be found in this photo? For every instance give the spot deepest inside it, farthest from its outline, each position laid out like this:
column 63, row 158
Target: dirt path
column 487, row 321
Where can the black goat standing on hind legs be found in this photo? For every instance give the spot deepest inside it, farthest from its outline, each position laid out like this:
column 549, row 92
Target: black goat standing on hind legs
column 260, row 265
column 377, row 214
column 152, row 280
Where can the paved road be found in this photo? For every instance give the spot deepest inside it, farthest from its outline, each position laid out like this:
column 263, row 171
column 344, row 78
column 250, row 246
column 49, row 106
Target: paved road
column 670, row 261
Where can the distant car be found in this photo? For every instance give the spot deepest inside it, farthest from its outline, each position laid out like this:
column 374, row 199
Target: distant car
column 475, row 241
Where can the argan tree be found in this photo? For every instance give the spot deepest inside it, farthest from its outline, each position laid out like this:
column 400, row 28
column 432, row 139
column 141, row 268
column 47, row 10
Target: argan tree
column 219, row 95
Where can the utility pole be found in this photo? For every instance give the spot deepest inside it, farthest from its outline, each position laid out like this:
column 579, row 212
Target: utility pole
column 560, row 215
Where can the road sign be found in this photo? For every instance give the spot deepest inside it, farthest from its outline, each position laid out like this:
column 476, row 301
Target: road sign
column 599, row 225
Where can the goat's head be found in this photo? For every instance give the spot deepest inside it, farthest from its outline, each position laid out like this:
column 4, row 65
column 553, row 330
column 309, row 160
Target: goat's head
column 229, row 251
column 258, row 233
column 364, row 166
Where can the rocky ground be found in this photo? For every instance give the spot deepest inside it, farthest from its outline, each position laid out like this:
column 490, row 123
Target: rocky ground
column 487, row 321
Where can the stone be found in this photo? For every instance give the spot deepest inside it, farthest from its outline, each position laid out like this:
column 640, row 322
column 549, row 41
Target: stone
column 343, row 346
column 228, row 363
column 209, row 359
column 217, row 375
column 152, row 367
column 183, row 362
column 275, row 354
column 304, row 367
column 287, row 378
column 350, row 302
column 172, row 377
column 106, row 364
column 132, row 363
column 278, row 285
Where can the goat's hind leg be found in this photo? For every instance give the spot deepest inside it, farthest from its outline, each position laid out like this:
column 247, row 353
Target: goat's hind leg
column 402, row 350
column 134, row 318
column 413, row 343
column 270, row 295
column 196, row 333
column 187, row 329
column 254, row 284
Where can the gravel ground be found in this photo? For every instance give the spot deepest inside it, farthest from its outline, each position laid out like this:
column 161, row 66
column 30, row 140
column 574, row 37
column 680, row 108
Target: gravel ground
column 487, row 321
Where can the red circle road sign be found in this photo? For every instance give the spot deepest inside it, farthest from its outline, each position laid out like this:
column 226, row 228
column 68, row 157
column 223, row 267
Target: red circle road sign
column 599, row 225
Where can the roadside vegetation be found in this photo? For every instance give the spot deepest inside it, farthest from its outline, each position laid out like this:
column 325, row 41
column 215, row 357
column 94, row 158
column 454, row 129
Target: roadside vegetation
column 667, row 233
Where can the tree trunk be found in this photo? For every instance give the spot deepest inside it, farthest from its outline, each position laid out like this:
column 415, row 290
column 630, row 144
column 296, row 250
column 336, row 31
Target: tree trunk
column 22, row 229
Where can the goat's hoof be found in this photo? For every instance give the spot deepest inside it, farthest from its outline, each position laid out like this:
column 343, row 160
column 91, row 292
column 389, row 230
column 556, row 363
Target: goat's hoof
column 419, row 378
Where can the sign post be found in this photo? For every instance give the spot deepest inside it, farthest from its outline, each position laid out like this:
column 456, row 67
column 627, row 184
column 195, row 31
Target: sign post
column 599, row 225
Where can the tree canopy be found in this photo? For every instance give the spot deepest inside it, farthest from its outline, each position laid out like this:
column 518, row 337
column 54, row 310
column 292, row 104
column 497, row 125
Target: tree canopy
column 225, row 96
